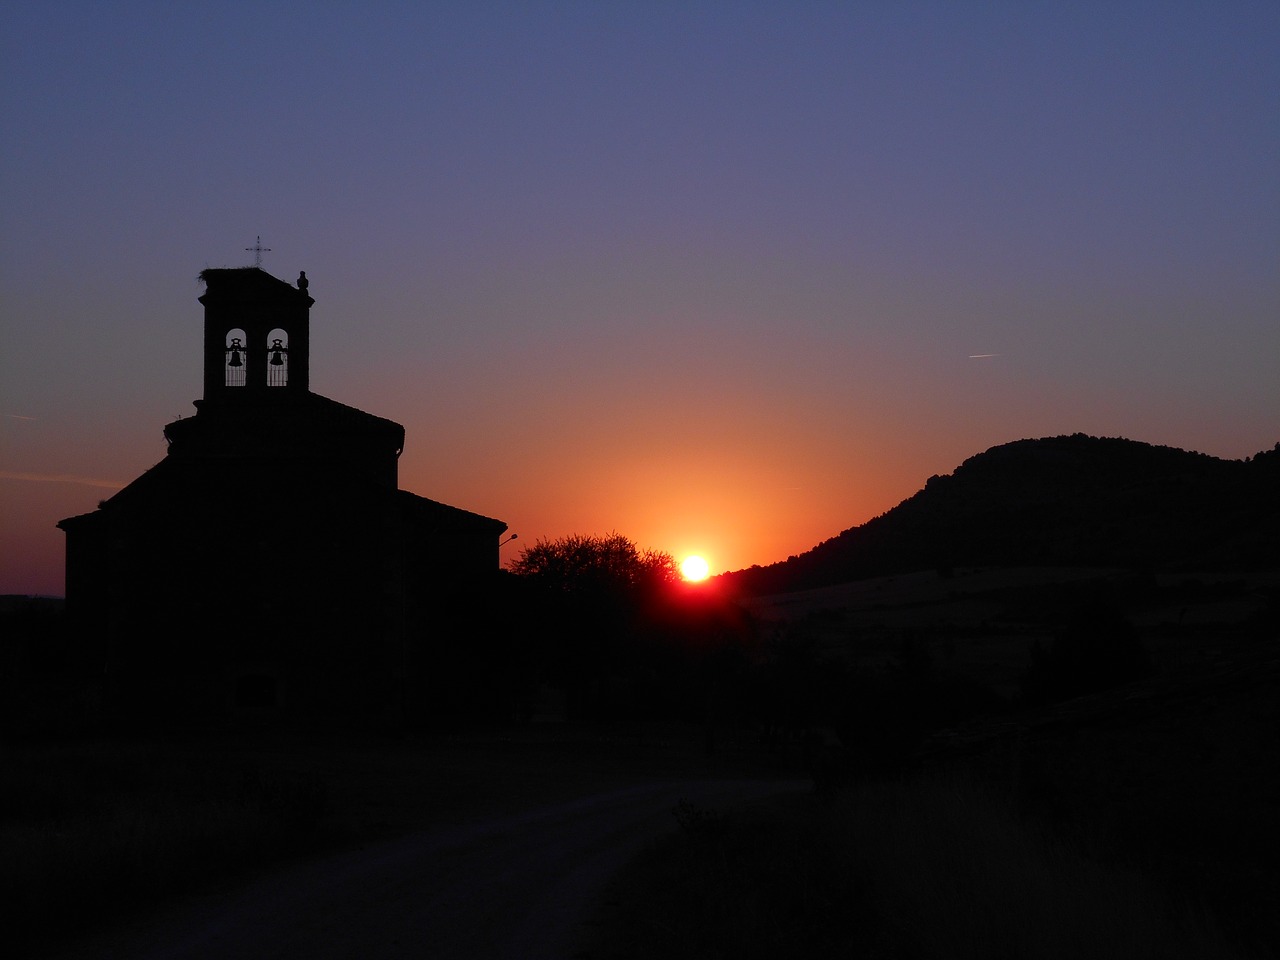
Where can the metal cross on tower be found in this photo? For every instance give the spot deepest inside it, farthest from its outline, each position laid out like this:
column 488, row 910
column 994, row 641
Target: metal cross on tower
column 258, row 250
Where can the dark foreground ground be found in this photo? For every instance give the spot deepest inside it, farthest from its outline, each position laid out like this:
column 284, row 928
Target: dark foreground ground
column 508, row 887
column 105, row 834
column 582, row 845
column 1148, row 814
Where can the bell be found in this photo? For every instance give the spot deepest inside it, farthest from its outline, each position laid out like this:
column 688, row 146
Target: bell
column 275, row 359
column 235, row 359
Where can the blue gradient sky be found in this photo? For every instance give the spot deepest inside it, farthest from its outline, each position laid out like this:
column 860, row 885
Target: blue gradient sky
column 712, row 275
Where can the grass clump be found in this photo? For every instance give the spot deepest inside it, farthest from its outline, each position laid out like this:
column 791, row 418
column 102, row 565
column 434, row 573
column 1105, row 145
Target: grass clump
column 936, row 868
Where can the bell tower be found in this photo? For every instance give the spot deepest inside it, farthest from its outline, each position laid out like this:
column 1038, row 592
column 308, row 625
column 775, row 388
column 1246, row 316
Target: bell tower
column 258, row 415
column 257, row 336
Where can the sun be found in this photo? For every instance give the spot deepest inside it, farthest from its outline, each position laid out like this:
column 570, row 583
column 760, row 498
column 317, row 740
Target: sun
column 694, row 568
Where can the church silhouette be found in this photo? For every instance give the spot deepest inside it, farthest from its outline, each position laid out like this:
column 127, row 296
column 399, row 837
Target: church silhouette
column 269, row 568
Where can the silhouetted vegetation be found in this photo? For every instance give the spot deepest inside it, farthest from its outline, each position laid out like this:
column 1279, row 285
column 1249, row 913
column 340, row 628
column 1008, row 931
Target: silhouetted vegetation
column 1071, row 500
column 1097, row 649
column 592, row 566
column 933, row 868
column 615, row 629
column 849, row 714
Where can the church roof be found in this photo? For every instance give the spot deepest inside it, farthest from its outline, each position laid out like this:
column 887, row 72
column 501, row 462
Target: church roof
column 443, row 516
column 308, row 419
column 245, row 283
column 176, row 478
column 341, row 413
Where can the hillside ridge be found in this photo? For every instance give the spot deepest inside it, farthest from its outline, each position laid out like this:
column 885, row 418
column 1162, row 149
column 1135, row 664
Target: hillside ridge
column 1065, row 500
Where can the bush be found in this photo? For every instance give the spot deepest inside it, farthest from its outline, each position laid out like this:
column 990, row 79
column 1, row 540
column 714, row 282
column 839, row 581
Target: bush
column 1097, row 649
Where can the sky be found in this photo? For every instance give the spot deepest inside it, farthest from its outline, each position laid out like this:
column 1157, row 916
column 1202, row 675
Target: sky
column 726, row 278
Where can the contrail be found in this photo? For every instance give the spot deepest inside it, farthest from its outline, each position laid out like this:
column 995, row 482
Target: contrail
column 980, row 356
column 61, row 478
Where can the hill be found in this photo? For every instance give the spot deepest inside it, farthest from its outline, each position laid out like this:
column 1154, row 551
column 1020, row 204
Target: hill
column 1066, row 501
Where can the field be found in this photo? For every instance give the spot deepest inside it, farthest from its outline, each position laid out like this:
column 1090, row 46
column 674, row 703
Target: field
column 1163, row 790
column 935, row 867
column 1136, row 818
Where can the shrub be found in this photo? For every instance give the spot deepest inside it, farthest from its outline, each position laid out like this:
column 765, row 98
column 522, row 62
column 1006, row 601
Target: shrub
column 1097, row 648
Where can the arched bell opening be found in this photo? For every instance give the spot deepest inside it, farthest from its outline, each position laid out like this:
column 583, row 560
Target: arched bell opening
column 236, row 361
column 278, row 358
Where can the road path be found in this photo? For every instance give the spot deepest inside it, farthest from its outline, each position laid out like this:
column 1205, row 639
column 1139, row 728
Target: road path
column 516, row 886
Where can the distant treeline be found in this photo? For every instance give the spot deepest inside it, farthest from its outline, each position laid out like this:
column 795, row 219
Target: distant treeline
column 1070, row 500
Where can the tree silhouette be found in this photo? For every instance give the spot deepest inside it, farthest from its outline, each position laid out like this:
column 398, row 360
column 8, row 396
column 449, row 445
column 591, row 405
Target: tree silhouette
column 584, row 565
column 1097, row 648
column 614, row 628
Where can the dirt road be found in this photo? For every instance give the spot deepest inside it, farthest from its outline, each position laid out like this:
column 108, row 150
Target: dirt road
column 514, row 886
